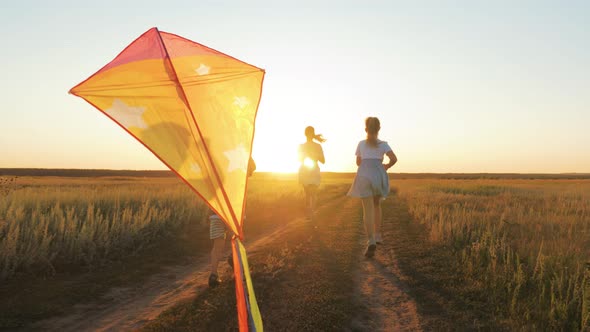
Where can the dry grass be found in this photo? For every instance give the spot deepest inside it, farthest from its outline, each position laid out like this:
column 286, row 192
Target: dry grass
column 48, row 223
column 51, row 222
column 59, row 254
column 525, row 242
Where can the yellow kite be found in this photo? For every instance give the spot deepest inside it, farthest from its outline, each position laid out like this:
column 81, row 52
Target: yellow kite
column 195, row 109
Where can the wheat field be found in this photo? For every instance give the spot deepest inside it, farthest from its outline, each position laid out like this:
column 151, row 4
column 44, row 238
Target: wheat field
column 524, row 242
column 52, row 221
column 527, row 243
column 48, row 222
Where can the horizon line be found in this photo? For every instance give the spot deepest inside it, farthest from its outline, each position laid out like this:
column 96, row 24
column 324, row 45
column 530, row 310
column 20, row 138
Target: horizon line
column 7, row 170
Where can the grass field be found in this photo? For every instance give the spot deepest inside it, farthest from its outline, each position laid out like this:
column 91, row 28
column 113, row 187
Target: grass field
column 518, row 248
column 526, row 243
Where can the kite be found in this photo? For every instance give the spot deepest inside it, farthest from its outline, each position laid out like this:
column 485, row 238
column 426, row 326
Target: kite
column 194, row 108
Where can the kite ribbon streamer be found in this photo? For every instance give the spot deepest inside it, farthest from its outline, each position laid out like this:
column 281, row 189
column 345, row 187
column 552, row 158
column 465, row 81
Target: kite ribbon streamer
column 247, row 306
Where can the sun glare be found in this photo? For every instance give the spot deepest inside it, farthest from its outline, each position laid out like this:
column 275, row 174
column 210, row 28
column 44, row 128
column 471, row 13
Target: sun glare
column 275, row 148
column 276, row 162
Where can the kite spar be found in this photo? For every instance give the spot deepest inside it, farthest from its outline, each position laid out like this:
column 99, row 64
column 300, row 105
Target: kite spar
column 195, row 109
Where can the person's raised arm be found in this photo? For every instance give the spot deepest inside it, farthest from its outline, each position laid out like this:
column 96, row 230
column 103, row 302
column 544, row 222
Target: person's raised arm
column 358, row 154
column 392, row 159
column 321, row 158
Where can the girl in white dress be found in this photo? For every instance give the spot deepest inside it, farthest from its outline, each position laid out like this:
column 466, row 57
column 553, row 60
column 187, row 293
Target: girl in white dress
column 310, row 153
column 371, row 183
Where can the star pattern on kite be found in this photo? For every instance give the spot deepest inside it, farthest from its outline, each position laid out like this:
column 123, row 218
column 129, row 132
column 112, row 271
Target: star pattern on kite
column 238, row 159
column 241, row 102
column 203, row 69
column 128, row 116
column 195, row 168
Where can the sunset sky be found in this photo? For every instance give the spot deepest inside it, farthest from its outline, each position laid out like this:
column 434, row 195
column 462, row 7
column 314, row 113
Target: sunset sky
column 459, row 86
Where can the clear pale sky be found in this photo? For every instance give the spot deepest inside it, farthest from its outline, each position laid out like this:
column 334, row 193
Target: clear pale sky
column 459, row 86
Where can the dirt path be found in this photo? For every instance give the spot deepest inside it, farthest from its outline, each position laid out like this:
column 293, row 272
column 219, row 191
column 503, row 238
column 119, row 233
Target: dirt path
column 129, row 308
column 306, row 277
column 302, row 278
column 402, row 286
column 385, row 295
column 381, row 288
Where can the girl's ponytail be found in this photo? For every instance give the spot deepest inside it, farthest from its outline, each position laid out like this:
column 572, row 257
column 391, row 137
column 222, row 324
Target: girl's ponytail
column 319, row 138
column 372, row 127
column 310, row 134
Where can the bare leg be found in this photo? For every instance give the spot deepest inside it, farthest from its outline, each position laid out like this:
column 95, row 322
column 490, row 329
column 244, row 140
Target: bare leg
column 312, row 199
column 369, row 218
column 307, row 199
column 217, row 253
column 309, row 192
column 377, row 207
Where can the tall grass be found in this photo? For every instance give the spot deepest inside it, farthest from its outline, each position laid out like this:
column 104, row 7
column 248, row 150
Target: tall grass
column 53, row 223
column 525, row 242
column 46, row 223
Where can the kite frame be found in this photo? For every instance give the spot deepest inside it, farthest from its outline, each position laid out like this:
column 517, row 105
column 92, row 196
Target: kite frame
column 185, row 99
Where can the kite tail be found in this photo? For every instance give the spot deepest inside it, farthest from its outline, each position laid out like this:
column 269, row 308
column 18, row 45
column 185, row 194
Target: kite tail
column 248, row 312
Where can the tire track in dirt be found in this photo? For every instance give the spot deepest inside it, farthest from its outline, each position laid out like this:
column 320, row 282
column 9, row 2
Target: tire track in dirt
column 314, row 293
column 403, row 286
column 386, row 296
column 380, row 284
column 329, row 261
column 302, row 279
column 129, row 308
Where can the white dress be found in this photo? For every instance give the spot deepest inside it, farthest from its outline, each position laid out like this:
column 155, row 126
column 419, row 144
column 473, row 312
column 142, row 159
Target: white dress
column 371, row 178
column 310, row 174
